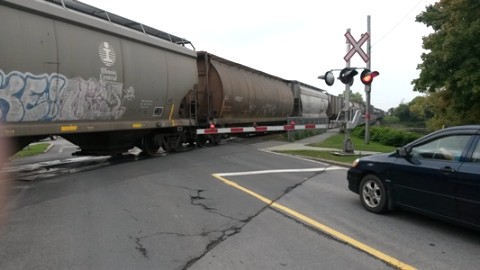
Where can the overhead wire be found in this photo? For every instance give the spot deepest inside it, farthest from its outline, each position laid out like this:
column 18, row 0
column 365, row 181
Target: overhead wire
column 396, row 25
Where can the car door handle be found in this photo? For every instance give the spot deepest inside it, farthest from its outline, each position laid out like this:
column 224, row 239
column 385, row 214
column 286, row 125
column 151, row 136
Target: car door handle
column 447, row 170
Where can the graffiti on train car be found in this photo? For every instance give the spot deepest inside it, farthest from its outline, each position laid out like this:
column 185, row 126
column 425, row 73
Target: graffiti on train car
column 53, row 97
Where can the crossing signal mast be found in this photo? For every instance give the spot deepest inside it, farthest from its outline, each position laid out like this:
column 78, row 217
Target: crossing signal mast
column 347, row 75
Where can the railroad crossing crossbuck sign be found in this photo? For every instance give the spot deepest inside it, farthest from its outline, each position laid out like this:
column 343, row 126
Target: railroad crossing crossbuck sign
column 356, row 47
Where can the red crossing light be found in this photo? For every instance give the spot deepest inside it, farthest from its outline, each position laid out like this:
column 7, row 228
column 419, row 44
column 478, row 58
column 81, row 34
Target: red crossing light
column 367, row 76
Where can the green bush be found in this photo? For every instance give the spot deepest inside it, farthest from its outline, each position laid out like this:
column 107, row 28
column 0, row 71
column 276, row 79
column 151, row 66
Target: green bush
column 390, row 120
column 387, row 136
column 359, row 132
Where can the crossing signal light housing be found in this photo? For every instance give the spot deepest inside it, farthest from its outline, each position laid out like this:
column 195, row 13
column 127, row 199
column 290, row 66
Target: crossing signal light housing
column 367, row 76
column 347, row 74
column 329, row 78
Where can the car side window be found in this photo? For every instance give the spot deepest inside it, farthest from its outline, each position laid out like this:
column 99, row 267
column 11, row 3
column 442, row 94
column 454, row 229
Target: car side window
column 476, row 153
column 445, row 148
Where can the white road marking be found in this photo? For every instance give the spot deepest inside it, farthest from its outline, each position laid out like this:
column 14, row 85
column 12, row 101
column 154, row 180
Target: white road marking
column 331, row 168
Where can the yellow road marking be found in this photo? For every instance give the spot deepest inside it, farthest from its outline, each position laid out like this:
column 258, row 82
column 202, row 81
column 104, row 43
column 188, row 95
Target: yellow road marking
column 328, row 230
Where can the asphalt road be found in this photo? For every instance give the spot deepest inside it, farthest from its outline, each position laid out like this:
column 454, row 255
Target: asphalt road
column 227, row 207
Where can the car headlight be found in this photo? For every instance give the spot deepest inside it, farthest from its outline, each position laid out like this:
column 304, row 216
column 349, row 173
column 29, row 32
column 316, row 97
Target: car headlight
column 354, row 164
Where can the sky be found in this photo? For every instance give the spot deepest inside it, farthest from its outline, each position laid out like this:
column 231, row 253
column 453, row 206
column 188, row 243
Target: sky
column 297, row 40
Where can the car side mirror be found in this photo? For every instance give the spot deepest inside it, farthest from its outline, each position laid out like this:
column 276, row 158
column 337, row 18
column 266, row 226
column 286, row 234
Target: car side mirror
column 402, row 152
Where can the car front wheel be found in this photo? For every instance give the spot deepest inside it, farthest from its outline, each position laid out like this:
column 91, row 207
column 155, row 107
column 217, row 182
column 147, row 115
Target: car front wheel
column 373, row 194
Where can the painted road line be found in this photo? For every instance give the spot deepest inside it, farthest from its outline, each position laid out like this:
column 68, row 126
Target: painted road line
column 282, row 171
column 307, row 220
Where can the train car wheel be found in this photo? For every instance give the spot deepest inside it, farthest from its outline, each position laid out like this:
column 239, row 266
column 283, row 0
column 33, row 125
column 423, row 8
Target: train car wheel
column 172, row 143
column 169, row 147
column 149, row 147
column 215, row 139
column 201, row 141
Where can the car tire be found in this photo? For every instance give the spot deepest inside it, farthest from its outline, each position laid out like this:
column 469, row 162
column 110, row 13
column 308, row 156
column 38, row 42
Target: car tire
column 373, row 194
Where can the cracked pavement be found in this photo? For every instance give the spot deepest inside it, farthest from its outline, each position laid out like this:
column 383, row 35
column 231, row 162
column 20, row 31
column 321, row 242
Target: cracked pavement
column 161, row 213
column 199, row 200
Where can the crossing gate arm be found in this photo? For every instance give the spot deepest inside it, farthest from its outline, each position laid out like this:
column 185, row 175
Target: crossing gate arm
column 259, row 129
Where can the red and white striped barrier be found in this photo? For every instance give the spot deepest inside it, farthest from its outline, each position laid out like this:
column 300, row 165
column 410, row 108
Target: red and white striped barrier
column 259, row 129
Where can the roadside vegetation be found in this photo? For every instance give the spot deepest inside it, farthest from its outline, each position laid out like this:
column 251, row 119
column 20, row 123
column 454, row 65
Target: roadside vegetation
column 449, row 78
column 382, row 140
column 336, row 141
column 387, row 136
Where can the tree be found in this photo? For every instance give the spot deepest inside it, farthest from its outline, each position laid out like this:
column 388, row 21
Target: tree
column 354, row 97
column 421, row 108
column 451, row 65
column 438, row 114
column 402, row 112
column 416, row 112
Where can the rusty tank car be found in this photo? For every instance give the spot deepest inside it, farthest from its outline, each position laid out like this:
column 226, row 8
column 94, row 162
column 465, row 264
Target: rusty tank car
column 231, row 94
column 99, row 80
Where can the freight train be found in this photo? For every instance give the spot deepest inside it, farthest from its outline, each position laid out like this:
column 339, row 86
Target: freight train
column 107, row 84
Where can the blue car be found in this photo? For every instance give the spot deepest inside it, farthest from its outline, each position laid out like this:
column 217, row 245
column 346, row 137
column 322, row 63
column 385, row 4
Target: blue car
column 437, row 175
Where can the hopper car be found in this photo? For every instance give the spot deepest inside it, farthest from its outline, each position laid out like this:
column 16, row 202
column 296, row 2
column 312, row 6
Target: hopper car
column 107, row 84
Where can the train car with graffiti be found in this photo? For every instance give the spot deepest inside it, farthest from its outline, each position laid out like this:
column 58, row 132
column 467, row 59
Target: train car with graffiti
column 90, row 79
column 107, row 84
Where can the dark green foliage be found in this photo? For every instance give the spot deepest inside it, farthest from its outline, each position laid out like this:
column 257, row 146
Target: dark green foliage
column 403, row 113
column 450, row 71
column 387, row 136
column 390, row 120
column 416, row 113
column 359, row 132
column 354, row 97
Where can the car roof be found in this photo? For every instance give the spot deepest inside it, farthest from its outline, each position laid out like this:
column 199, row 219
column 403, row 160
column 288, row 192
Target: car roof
column 469, row 129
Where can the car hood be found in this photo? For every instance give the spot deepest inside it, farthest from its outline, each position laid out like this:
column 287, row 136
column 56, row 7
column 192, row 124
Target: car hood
column 384, row 157
column 378, row 163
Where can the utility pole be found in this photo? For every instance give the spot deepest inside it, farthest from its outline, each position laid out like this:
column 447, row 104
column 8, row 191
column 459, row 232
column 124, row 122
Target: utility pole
column 347, row 143
column 368, row 88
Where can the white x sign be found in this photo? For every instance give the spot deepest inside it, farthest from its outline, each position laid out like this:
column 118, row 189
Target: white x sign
column 356, row 47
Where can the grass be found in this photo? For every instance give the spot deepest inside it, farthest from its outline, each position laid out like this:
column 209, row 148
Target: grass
column 31, row 150
column 336, row 141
